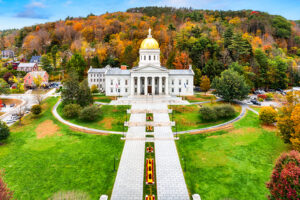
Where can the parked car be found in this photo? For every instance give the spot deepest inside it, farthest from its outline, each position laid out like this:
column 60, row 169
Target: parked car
column 10, row 121
column 12, row 105
column 255, row 102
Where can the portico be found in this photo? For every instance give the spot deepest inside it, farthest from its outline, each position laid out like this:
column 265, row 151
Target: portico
column 149, row 85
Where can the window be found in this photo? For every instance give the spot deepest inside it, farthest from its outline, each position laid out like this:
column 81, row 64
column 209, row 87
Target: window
column 179, row 89
column 144, row 57
column 111, row 82
column 119, row 90
column 172, row 82
column 154, row 57
column 149, row 57
column 126, row 82
column 119, row 82
column 179, row 82
column 172, row 89
column 135, row 90
column 91, row 80
column 111, row 90
column 187, row 81
column 126, row 90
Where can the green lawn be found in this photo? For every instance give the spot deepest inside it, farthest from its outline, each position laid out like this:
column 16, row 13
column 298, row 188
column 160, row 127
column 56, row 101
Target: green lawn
column 199, row 97
column 256, row 108
column 43, row 157
column 230, row 164
column 112, row 118
column 103, row 99
column 188, row 117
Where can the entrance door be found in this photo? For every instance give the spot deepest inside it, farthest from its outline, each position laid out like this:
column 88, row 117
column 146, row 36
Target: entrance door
column 150, row 90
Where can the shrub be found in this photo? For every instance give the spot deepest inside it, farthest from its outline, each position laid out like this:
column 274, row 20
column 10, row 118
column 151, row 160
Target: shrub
column 5, row 193
column 284, row 183
column 90, row 113
column 36, row 109
column 260, row 99
column 4, row 130
column 270, row 96
column 94, row 89
column 208, row 114
column 262, row 96
column 71, row 110
column 267, row 115
column 224, row 111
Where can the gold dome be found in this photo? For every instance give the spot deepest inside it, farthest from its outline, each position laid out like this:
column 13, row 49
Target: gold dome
column 149, row 42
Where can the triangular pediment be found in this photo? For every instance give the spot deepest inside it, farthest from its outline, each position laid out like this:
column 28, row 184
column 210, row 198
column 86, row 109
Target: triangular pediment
column 149, row 68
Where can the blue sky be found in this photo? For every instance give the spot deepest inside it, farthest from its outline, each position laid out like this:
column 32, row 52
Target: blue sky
column 20, row 13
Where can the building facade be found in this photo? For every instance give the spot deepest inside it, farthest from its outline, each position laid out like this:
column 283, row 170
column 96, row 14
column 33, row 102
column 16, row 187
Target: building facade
column 6, row 54
column 30, row 76
column 27, row 67
column 148, row 78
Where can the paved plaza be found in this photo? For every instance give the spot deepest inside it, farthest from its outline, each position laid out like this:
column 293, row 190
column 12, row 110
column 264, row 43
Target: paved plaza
column 169, row 174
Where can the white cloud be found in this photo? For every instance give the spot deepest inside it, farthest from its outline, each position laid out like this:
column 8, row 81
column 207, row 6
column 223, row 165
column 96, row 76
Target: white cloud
column 36, row 4
column 68, row 3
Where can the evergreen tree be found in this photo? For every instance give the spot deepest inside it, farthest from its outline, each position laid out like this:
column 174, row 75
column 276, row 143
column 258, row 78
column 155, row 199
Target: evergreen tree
column 228, row 36
column 46, row 64
column 78, row 64
column 71, row 89
column 84, row 96
column 95, row 62
column 54, row 51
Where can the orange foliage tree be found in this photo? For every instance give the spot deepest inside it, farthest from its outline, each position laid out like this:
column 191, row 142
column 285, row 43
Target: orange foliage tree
column 182, row 61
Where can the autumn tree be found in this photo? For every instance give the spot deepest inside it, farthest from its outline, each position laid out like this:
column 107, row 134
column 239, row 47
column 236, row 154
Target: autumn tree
column 267, row 115
column 295, row 135
column 182, row 61
column 205, row 84
column 284, row 182
column 54, row 51
column 46, row 64
column 4, row 87
column 38, row 80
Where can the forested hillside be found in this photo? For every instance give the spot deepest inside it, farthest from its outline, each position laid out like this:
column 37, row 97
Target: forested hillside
column 264, row 48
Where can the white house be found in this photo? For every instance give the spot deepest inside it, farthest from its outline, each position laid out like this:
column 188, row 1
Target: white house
column 148, row 78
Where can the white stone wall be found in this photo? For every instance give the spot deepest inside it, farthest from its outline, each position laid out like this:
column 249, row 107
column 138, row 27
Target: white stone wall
column 117, row 85
column 149, row 57
column 176, row 85
column 97, row 79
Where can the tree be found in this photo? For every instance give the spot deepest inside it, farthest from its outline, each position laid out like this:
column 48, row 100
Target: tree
column 90, row 113
column 295, row 135
column 5, row 193
column 240, row 48
column 19, row 83
column 54, row 51
column 284, row 183
column 36, row 109
column 4, row 87
column 38, row 81
column 70, row 90
column 4, row 131
column 39, row 98
column 182, row 61
column 205, row 84
column 282, row 27
column 231, row 86
column 197, row 76
column 46, row 64
column 94, row 89
column 267, row 115
column 78, row 64
column 208, row 113
column 213, row 68
column 84, row 96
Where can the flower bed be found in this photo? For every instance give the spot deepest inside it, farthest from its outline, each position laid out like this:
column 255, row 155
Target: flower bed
column 149, row 129
column 149, row 117
column 149, row 172
column 149, row 149
column 150, row 197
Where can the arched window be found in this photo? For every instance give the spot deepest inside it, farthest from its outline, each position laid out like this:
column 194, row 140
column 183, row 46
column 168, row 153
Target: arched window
column 149, row 57
column 144, row 57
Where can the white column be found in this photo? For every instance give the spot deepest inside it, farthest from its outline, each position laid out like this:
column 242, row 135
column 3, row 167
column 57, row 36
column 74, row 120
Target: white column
column 153, row 85
column 132, row 85
column 139, row 85
column 160, row 85
column 167, row 86
column 146, row 83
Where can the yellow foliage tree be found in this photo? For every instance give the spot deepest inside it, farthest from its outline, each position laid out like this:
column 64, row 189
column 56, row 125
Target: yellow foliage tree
column 267, row 115
column 235, row 21
column 38, row 81
column 295, row 135
column 205, row 84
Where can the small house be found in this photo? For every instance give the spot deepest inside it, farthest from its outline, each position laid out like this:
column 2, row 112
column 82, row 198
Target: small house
column 27, row 67
column 29, row 78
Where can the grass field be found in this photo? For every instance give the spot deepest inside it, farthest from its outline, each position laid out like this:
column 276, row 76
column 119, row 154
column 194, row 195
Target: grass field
column 199, row 97
column 112, row 118
column 232, row 164
column 188, row 117
column 256, row 108
column 103, row 99
column 43, row 157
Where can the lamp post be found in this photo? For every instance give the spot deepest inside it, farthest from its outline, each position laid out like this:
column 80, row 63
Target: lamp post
column 114, row 163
